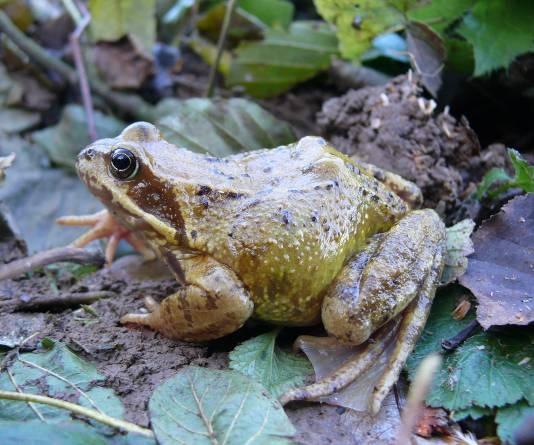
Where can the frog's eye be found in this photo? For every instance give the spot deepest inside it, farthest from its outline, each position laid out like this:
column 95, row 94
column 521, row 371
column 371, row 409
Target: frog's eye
column 123, row 163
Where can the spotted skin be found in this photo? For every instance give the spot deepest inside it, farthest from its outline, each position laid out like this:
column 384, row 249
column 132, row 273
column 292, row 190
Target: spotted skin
column 276, row 234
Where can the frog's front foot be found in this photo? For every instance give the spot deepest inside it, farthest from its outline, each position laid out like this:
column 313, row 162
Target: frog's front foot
column 103, row 225
column 385, row 292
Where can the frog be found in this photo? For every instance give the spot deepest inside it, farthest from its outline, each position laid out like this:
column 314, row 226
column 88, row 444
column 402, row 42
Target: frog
column 295, row 235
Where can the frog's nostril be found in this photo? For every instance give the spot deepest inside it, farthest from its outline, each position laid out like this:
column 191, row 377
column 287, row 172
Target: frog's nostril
column 88, row 153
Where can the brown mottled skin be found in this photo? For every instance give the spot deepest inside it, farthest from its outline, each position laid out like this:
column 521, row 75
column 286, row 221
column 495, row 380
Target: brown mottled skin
column 292, row 235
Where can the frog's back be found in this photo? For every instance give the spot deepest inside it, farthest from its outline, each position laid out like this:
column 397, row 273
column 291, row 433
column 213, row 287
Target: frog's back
column 306, row 210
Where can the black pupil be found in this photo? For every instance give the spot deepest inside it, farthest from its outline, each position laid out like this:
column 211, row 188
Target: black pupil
column 121, row 161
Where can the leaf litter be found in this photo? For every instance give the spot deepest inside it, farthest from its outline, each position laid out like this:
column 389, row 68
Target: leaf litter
column 500, row 272
column 131, row 359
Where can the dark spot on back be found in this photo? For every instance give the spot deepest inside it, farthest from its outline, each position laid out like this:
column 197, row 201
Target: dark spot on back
column 286, row 216
column 233, row 195
column 203, row 190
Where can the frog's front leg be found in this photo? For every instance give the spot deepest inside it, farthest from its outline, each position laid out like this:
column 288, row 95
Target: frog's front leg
column 104, row 225
column 212, row 302
column 387, row 289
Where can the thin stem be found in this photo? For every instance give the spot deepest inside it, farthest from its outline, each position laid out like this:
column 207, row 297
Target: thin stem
column 85, row 90
column 72, row 254
column 34, row 50
column 127, row 103
column 63, row 379
column 62, row 300
column 450, row 344
column 30, row 404
column 91, row 413
column 230, row 8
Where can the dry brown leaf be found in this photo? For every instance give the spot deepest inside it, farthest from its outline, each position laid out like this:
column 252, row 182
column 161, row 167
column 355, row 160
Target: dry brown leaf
column 501, row 271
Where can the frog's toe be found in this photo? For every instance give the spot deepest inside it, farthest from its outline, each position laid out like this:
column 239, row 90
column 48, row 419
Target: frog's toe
column 151, row 319
column 103, row 225
column 138, row 319
column 151, row 304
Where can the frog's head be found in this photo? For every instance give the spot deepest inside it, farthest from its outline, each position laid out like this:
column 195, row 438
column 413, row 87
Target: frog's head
column 128, row 174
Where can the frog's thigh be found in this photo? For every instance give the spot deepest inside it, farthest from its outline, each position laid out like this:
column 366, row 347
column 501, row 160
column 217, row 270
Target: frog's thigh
column 212, row 303
column 381, row 281
column 398, row 269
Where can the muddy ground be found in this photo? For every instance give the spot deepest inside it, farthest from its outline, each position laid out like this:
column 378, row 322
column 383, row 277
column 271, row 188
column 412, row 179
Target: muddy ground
column 392, row 126
column 135, row 360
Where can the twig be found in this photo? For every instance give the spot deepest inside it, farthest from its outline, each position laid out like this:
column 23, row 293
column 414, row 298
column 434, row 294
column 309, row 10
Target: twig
column 450, row 344
column 127, row 103
column 81, row 24
column 91, row 413
column 416, row 396
column 230, row 8
column 55, row 301
column 30, row 404
column 33, row 50
column 71, row 254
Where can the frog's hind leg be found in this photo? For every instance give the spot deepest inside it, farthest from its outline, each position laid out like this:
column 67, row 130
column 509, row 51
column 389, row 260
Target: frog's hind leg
column 396, row 275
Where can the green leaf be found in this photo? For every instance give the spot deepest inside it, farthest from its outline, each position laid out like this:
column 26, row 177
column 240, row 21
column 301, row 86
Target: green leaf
column 440, row 324
column 510, row 418
column 111, row 20
column 39, row 433
column 358, row 23
column 487, row 370
column 37, row 195
column 524, row 173
column 274, row 368
column 475, row 412
column 439, row 14
column 64, row 433
column 60, row 373
column 283, row 58
column 13, row 120
column 523, row 178
column 492, row 177
column 274, row 13
column 459, row 246
column 220, row 127
column 460, row 56
column 244, row 25
column 64, row 141
column 499, row 31
column 206, row 406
